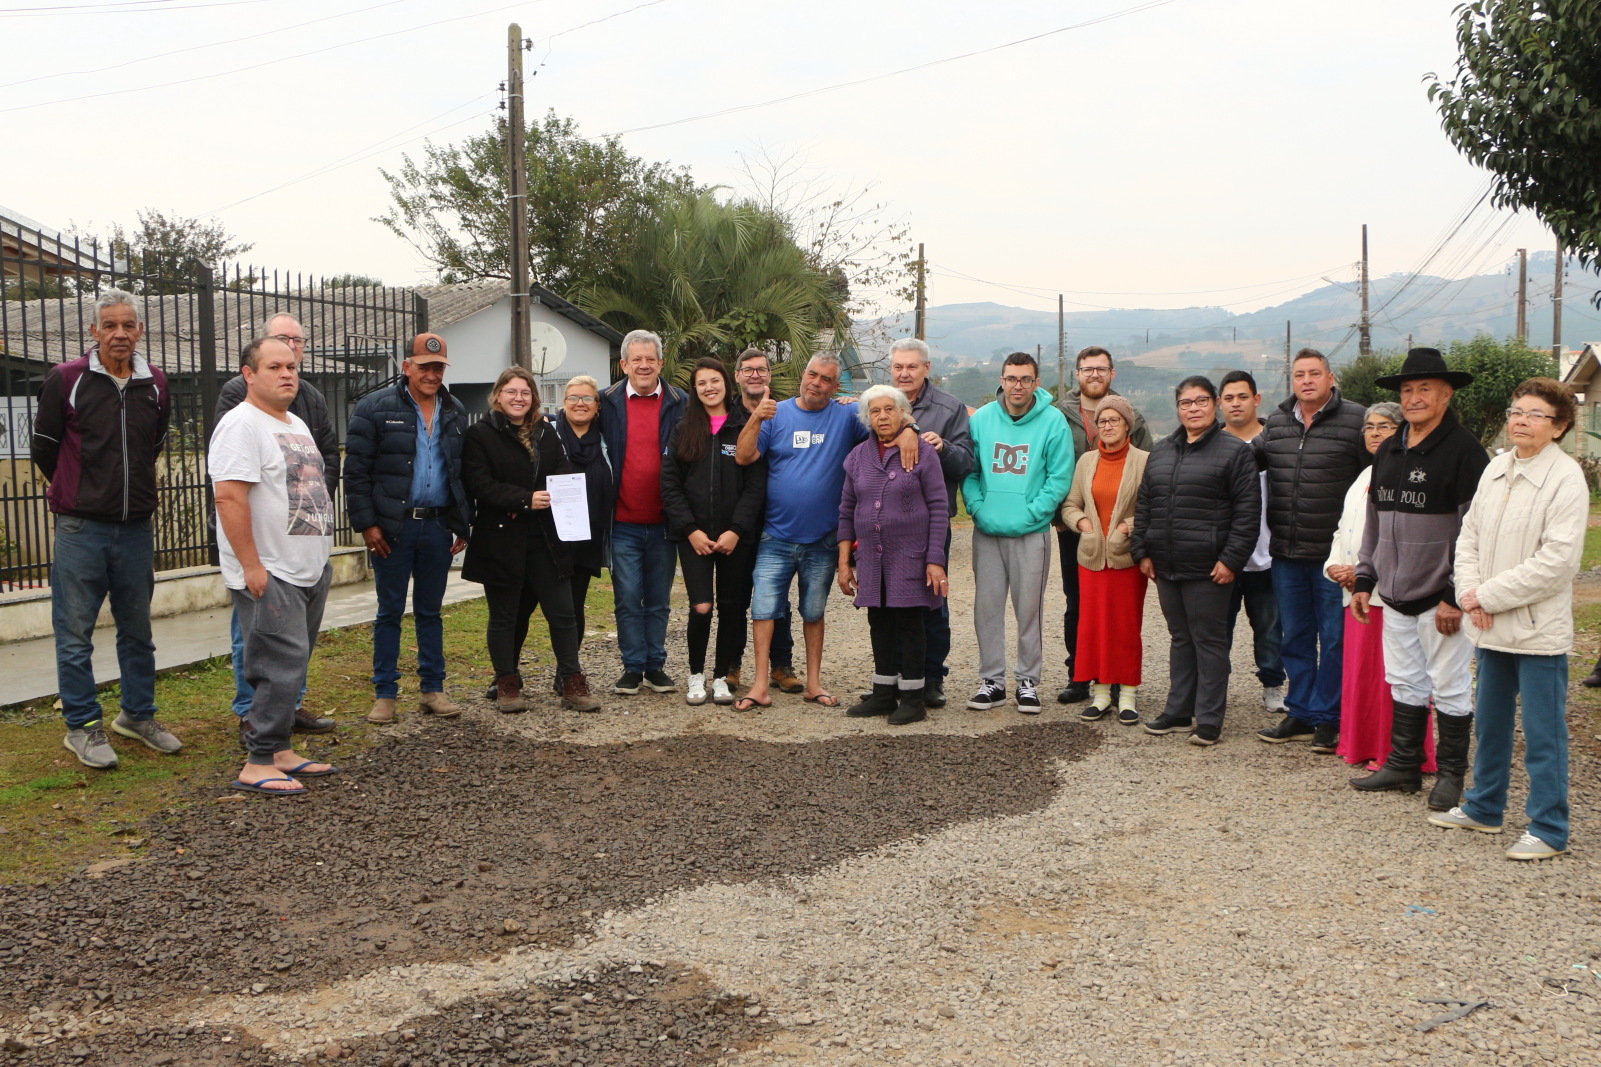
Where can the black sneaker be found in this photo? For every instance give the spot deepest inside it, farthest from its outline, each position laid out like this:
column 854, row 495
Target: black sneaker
column 1028, row 698
column 989, row 695
column 934, row 695
column 660, row 682
column 1325, row 738
column 1073, row 693
column 1092, row 714
column 1162, row 724
column 1128, row 716
column 1205, row 736
column 1291, row 729
column 629, row 683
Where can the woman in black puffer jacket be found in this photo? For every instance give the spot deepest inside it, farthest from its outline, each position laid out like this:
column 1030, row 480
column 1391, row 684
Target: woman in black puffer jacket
column 714, row 511
column 1195, row 526
column 514, row 551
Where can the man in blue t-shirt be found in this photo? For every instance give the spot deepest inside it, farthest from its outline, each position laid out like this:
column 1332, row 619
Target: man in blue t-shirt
column 805, row 441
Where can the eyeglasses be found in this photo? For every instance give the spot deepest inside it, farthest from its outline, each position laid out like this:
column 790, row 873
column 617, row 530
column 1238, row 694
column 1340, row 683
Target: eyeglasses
column 1378, row 427
column 1195, row 402
column 1094, row 372
column 755, row 372
column 581, row 401
column 1110, row 420
column 517, row 394
column 1534, row 416
column 289, row 339
column 1013, row 383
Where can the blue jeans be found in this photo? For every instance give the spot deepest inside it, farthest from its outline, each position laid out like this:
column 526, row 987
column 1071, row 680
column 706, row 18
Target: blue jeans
column 779, row 561
column 420, row 554
column 1254, row 589
column 243, row 694
column 1542, row 681
column 642, row 565
column 94, row 560
column 1312, row 618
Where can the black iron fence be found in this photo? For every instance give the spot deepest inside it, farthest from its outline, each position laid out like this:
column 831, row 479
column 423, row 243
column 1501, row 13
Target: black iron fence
column 196, row 321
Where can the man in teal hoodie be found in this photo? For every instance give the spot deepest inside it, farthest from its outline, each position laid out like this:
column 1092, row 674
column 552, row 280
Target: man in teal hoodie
column 1023, row 465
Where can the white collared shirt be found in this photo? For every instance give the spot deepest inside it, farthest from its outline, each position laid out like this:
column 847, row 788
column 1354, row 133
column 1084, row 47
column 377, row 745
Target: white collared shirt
column 631, row 391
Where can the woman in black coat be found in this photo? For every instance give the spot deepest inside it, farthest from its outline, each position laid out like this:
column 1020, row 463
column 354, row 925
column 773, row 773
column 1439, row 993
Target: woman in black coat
column 578, row 426
column 714, row 512
column 1195, row 525
column 514, row 551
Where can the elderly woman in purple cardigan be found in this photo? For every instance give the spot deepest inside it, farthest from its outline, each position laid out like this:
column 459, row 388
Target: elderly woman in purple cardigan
column 895, row 520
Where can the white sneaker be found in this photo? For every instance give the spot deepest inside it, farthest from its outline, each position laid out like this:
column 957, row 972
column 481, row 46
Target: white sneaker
column 721, row 694
column 1530, row 847
column 1273, row 698
column 1457, row 819
column 697, row 690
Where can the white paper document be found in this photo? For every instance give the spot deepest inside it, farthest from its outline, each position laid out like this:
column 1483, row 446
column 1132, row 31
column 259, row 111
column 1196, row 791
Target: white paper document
column 569, row 506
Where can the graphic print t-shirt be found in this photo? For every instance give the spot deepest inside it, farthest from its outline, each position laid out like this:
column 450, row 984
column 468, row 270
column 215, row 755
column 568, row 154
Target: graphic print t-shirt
column 805, row 453
column 291, row 512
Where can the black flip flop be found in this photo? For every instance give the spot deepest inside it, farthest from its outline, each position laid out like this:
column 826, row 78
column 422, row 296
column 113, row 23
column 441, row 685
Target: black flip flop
column 750, row 703
column 301, row 770
column 260, row 787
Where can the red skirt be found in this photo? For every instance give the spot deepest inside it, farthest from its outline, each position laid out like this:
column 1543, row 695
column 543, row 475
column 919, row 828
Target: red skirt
column 1365, row 706
column 1111, row 612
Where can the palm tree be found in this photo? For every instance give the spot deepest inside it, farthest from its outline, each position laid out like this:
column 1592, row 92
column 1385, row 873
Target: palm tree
column 714, row 279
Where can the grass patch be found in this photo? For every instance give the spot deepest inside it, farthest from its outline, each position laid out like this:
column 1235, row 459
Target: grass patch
column 1592, row 548
column 56, row 814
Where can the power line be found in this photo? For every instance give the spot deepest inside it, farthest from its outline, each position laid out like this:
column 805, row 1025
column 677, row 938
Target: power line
column 1136, row 9
column 125, row 7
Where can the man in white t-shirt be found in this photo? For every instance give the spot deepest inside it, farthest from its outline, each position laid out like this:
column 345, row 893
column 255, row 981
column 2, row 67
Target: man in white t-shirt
column 275, row 524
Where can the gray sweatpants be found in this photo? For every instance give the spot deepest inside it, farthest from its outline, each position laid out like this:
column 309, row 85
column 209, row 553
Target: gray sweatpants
column 1020, row 566
column 279, row 631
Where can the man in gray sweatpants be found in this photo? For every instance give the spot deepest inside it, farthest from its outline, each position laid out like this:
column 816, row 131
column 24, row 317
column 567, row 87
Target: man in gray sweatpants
column 275, row 524
column 1023, row 456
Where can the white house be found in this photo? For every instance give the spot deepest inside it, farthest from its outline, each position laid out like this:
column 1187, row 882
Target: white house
column 474, row 318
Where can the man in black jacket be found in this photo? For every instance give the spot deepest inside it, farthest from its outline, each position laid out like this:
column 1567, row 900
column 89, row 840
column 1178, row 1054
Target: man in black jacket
column 312, row 409
column 404, row 492
column 943, row 421
column 1312, row 451
column 1094, row 374
column 100, row 423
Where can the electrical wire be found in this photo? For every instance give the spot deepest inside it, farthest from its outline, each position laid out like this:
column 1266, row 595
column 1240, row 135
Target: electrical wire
column 1136, row 9
column 127, row 7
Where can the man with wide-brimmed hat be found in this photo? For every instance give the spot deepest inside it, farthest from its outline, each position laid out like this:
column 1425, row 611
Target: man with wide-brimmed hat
column 1423, row 481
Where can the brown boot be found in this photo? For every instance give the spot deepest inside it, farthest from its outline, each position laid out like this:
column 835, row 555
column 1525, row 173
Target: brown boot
column 783, row 679
column 438, row 704
column 575, row 693
column 383, row 711
column 509, row 694
column 732, row 677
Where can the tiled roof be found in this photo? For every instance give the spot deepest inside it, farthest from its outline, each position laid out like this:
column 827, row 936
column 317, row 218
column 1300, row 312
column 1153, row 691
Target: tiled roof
column 452, row 303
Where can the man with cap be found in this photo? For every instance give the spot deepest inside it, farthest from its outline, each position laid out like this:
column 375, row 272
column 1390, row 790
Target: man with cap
column 1423, row 481
column 403, row 489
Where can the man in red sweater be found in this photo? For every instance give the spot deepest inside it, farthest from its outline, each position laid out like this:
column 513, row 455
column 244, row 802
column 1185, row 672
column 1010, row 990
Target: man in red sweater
column 637, row 418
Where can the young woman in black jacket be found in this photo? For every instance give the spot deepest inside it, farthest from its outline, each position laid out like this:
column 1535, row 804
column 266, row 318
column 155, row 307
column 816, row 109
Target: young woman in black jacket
column 514, row 551
column 714, row 510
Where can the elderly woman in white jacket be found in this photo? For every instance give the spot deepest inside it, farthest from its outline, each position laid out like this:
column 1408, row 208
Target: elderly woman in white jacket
column 1516, row 558
column 1365, row 705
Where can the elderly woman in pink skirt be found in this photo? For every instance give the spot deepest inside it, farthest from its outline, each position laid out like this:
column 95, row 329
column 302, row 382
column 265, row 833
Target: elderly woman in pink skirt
column 1365, row 705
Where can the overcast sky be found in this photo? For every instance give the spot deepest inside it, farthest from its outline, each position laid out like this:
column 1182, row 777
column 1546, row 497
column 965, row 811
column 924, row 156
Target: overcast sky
column 1189, row 152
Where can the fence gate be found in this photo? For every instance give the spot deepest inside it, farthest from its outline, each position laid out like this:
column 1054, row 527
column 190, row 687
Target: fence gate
column 197, row 320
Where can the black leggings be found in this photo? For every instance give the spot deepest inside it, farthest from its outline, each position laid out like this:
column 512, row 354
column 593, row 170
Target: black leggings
column 898, row 646
column 512, row 606
column 726, row 581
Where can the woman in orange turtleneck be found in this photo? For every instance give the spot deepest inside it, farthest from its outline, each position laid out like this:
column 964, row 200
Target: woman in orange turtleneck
column 1100, row 506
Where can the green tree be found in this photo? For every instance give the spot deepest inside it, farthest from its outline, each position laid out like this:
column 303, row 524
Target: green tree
column 1356, row 377
column 715, row 278
column 352, row 281
column 586, row 201
column 163, row 251
column 1525, row 104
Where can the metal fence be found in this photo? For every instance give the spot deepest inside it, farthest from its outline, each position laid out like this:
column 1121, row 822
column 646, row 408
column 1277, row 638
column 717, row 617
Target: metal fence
column 197, row 320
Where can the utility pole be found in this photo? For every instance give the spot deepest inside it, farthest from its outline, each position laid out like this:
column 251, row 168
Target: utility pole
column 1365, row 345
column 1287, row 356
column 1061, row 348
column 517, row 202
column 1523, row 295
column 920, row 330
column 1556, row 311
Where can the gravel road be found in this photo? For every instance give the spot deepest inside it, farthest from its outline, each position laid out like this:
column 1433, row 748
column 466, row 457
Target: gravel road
column 666, row 885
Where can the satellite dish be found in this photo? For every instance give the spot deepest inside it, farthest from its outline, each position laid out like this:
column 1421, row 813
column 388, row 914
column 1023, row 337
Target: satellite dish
column 547, row 347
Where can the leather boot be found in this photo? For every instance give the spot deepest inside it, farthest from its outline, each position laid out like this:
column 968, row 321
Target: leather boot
column 575, row 693
column 509, row 694
column 1451, row 759
column 911, row 708
column 881, row 701
column 493, row 692
column 1400, row 772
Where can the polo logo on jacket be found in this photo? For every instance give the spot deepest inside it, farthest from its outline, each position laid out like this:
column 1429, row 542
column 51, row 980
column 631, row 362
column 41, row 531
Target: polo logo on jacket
column 1010, row 459
column 1418, row 474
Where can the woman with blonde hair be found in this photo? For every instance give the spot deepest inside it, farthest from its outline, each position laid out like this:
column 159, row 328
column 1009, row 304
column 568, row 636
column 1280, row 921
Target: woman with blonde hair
column 514, row 551
column 1100, row 508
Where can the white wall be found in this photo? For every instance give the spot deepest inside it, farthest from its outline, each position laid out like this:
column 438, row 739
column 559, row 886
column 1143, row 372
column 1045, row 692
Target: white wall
column 480, row 347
